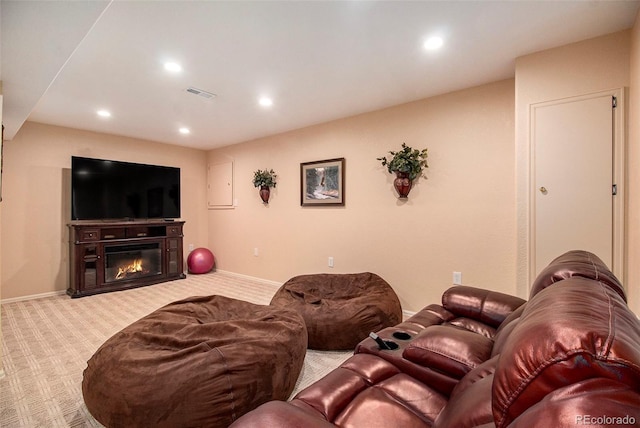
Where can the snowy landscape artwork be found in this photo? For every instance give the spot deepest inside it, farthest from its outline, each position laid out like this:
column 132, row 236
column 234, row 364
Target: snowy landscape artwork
column 322, row 182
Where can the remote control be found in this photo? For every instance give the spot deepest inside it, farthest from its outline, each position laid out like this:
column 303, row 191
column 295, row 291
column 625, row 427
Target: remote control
column 379, row 341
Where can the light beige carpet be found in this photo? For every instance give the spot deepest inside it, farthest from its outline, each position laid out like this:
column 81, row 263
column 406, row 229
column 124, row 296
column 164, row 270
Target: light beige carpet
column 46, row 343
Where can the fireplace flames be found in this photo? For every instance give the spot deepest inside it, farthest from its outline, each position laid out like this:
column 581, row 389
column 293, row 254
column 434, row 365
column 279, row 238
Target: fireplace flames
column 132, row 268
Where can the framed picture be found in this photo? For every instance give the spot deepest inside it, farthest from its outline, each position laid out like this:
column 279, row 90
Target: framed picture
column 322, row 182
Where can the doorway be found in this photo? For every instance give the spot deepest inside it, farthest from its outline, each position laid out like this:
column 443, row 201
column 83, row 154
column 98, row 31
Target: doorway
column 577, row 179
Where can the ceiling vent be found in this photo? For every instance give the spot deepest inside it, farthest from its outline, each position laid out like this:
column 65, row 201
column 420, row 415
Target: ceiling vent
column 200, row 93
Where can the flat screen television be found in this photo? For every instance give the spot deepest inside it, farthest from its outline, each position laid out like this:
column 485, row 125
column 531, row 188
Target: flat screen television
column 113, row 190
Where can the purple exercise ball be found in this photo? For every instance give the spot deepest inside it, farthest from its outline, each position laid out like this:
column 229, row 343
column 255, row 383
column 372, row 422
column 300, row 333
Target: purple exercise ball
column 200, row 260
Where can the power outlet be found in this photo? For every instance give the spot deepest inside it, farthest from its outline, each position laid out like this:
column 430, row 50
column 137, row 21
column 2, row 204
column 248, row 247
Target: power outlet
column 190, row 247
column 256, row 252
column 330, row 263
column 457, row 278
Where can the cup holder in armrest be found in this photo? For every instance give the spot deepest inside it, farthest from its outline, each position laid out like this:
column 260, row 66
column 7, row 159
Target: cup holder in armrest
column 384, row 344
column 401, row 335
column 391, row 344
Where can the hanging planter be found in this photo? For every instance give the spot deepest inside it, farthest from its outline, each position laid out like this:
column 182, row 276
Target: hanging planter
column 265, row 180
column 408, row 165
column 402, row 184
column 265, row 192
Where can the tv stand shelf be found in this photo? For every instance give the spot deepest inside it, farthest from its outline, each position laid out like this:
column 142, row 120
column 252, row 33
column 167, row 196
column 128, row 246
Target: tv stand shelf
column 96, row 246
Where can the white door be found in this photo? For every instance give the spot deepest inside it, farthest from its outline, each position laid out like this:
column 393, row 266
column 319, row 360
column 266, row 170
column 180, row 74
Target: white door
column 573, row 179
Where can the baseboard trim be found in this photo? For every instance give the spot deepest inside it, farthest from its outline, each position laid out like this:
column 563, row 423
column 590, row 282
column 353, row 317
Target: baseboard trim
column 252, row 278
column 407, row 314
column 32, row 296
column 61, row 292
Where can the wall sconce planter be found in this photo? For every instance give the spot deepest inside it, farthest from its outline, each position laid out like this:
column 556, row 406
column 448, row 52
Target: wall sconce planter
column 403, row 184
column 265, row 180
column 408, row 165
column 265, row 192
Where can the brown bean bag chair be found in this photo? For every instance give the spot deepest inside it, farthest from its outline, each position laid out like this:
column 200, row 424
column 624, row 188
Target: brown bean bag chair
column 202, row 361
column 340, row 309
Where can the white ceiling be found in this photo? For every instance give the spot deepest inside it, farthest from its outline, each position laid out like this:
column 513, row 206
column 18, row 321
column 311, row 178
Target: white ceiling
column 322, row 60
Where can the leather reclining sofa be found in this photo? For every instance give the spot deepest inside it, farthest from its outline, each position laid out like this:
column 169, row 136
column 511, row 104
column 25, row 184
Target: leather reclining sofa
column 569, row 356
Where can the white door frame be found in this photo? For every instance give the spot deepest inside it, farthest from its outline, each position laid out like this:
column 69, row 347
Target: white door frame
column 619, row 177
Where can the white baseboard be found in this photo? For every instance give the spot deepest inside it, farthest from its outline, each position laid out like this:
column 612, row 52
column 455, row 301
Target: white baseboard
column 407, row 314
column 252, row 278
column 61, row 292
column 32, row 296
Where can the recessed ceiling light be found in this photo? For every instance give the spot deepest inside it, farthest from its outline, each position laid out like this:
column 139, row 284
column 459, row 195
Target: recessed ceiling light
column 104, row 113
column 173, row 67
column 184, row 131
column 265, row 102
column 433, row 43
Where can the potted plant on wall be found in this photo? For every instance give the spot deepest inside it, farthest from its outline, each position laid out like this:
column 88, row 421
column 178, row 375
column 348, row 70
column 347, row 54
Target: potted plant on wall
column 408, row 165
column 265, row 180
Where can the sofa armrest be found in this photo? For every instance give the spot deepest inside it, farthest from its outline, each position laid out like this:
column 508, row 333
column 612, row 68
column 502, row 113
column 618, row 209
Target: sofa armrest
column 489, row 307
column 448, row 349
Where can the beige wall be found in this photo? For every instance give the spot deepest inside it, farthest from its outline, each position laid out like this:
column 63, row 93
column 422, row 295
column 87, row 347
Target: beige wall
column 36, row 201
column 462, row 218
column 470, row 215
column 633, row 189
column 581, row 68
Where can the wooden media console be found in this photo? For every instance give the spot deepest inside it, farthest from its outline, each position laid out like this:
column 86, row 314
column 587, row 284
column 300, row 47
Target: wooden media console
column 109, row 256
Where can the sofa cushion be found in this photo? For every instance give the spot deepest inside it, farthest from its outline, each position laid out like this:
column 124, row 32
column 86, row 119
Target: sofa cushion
column 576, row 263
column 470, row 401
column 333, row 392
column 470, row 409
column 505, row 329
column 449, row 349
column 474, row 326
column 483, row 370
column 566, row 334
column 488, row 307
column 366, row 390
column 401, row 399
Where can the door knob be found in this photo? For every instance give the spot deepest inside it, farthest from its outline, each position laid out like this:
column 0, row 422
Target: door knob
column 543, row 190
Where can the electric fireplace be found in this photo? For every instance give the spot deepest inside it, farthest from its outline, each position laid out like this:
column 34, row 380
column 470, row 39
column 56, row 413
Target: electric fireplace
column 130, row 262
column 118, row 255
